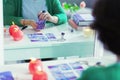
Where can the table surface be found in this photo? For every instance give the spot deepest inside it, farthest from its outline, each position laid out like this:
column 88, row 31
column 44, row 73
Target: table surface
column 74, row 41
column 71, row 37
column 51, row 49
column 20, row 71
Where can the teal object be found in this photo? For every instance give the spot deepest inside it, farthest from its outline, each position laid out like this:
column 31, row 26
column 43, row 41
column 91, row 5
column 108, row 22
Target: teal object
column 102, row 73
column 83, row 49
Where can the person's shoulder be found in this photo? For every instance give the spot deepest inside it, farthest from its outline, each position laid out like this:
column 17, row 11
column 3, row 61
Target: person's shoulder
column 93, row 73
column 94, row 69
column 100, row 73
column 102, row 69
column 113, row 67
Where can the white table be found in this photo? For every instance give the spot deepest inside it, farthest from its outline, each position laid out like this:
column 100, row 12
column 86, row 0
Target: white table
column 74, row 45
column 21, row 72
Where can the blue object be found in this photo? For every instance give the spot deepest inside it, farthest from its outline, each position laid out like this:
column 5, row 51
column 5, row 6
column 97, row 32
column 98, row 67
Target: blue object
column 6, row 76
column 41, row 23
column 62, row 33
column 71, row 30
column 98, row 63
column 77, row 18
column 82, row 19
column 43, row 11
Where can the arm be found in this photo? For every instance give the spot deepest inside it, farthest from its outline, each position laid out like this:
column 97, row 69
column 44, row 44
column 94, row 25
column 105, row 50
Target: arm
column 56, row 10
column 59, row 12
column 93, row 73
column 13, row 12
column 10, row 12
column 8, row 20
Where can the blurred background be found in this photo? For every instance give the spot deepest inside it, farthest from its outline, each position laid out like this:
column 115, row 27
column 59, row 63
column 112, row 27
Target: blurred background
column 89, row 3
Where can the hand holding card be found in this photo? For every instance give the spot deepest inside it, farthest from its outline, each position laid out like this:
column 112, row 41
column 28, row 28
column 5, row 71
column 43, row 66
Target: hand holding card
column 40, row 23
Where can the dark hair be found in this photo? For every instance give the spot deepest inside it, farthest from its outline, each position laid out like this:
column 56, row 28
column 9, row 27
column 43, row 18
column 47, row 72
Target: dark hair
column 107, row 23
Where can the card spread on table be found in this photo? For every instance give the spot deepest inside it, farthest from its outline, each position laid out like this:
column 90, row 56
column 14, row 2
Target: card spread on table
column 40, row 37
column 66, row 71
column 7, row 75
column 50, row 36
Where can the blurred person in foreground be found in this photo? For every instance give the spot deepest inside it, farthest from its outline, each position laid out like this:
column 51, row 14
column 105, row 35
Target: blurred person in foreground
column 107, row 25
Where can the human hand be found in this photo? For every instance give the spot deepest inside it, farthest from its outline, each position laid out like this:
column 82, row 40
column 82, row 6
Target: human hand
column 27, row 22
column 33, row 24
column 5, row 30
column 44, row 16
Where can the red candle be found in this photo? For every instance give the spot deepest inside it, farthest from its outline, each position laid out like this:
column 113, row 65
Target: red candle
column 40, row 75
column 34, row 64
column 17, row 34
column 11, row 28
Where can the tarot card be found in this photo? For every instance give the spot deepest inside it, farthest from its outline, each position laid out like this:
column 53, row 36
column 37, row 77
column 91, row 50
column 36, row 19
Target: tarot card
column 7, row 75
column 37, row 37
column 76, row 65
column 50, row 36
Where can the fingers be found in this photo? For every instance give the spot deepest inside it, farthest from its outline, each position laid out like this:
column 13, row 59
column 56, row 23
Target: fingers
column 4, row 29
column 33, row 24
column 44, row 16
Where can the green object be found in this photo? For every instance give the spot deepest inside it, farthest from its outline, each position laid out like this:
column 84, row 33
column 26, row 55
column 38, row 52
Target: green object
column 102, row 73
column 13, row 11
column 71, row 7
